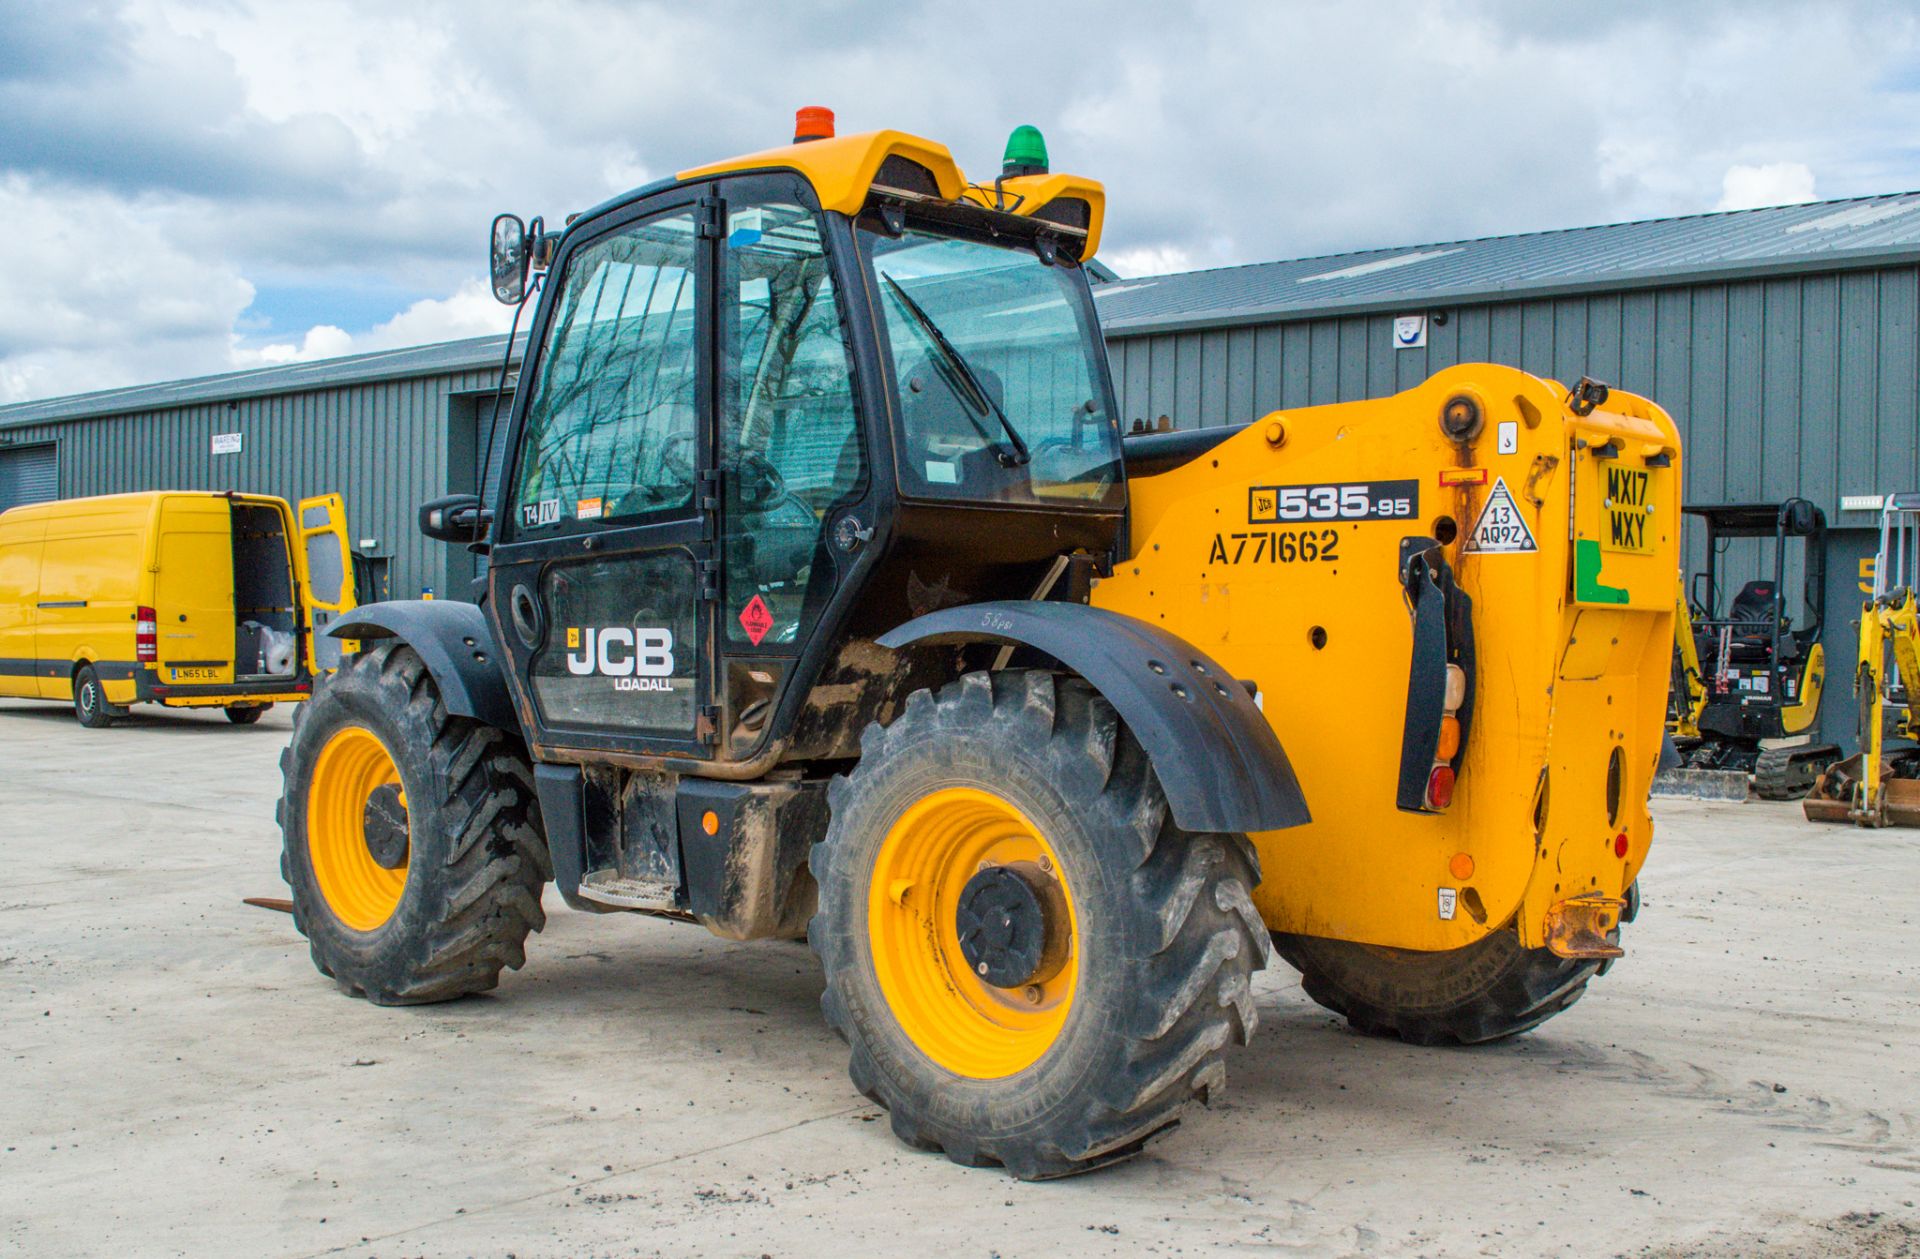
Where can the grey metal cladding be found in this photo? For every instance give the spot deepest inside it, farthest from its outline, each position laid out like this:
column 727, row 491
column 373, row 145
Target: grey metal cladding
column 385, row 445
column 354, row 369
column 1801, row 384
column 1820, row 236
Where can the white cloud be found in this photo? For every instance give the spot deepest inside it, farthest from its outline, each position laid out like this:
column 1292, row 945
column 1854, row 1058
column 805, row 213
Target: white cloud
column 470, row 312
column 321, row 341
column 98, row 294
column 1776, row 183
column 162, row 161
column 1148, row 260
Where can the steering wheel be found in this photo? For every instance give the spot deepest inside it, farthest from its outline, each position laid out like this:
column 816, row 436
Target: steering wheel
column 761, row 488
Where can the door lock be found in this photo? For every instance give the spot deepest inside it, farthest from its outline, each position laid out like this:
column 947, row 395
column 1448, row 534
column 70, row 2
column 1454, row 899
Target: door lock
column 850, row 534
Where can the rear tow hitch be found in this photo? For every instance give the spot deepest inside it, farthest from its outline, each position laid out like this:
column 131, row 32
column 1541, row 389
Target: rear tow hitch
column 1584, row 926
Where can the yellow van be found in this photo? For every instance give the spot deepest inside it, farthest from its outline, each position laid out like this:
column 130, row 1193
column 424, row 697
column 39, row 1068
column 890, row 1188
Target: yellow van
column 169, row 597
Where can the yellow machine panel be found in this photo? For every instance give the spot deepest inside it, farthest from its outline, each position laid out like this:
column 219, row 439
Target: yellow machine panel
column 1279, row 553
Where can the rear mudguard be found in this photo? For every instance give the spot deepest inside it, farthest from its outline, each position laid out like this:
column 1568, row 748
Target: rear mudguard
column 454, row 641
column 1217, row 759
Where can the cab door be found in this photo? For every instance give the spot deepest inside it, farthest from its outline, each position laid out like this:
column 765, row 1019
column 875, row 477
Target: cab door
column 323, row 559
column 602, row 580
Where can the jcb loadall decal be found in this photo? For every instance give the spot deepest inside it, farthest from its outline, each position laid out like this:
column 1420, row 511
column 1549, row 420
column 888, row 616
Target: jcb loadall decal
column 636, row 659
column 1501, row 528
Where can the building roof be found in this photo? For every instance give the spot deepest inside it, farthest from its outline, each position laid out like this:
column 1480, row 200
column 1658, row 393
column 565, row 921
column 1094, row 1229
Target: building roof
column 441, row 359
column 1818, row 236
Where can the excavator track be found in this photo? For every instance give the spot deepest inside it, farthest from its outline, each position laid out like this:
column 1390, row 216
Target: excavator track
column 1789, row 773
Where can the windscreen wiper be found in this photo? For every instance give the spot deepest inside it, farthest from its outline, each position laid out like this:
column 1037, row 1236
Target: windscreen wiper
column 979, row 398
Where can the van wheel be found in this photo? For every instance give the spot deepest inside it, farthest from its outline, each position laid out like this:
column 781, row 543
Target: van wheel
column 90, row 700
column 246, row 714
column 412, row 837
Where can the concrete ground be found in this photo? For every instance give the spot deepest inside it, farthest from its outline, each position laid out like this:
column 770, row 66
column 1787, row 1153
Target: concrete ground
column 177, row 1079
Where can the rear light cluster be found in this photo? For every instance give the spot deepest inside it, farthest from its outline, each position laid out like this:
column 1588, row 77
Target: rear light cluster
column 1440, row 777
column 146, row 637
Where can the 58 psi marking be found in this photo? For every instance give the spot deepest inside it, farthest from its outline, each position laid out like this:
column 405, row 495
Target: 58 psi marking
column 1275, row 546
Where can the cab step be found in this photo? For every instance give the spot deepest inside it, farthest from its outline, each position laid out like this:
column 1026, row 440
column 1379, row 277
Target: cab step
column 624, row 891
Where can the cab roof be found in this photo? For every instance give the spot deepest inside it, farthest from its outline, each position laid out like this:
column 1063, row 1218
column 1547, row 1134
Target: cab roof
column 845, row 171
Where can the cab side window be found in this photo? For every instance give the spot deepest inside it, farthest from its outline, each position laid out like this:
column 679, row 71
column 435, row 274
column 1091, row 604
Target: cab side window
column 610, row 433
column 790, row 436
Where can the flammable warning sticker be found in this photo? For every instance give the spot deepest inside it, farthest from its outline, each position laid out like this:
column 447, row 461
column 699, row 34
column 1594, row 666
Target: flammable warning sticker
column 1501, row 529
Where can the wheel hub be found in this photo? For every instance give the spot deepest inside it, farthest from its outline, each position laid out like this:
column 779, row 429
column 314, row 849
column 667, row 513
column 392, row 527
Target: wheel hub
column 385, row 822
column 1007, row 923
column 356, row 828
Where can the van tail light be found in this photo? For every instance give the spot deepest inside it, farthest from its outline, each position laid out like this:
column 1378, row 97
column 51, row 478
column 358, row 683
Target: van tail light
column 146, row 637
column 1440, row 787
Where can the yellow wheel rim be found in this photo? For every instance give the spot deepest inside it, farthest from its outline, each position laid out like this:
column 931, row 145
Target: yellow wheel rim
column 361, row 893
column 957, row 1019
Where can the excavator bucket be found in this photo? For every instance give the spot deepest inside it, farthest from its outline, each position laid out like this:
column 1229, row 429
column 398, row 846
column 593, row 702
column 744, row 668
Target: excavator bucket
column 1902, row 801
column 1831, row 799
column 1834, row 797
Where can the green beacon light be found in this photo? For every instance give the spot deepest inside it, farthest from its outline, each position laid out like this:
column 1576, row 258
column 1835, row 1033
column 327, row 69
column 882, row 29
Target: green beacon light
column 1026, row 153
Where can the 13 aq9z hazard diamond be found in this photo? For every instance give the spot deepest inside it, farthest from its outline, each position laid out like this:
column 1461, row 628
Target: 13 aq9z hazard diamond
column 756, row 620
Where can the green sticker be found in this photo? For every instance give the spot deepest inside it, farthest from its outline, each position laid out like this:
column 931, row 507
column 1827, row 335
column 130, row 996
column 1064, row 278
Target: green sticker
column 1587, row 586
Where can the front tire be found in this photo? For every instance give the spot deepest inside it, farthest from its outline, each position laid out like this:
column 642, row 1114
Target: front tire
column 246, row 714
column 411, row 838
column 1076, row 1052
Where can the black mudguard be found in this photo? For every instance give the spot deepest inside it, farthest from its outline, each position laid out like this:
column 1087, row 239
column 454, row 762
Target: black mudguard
column 456, row 644
column 1217, row 759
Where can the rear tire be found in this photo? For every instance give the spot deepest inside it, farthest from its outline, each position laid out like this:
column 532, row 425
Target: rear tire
column 1163, row 933
column 246, row 714
column 90, row 700
column 415, row 878
column 1489, row 990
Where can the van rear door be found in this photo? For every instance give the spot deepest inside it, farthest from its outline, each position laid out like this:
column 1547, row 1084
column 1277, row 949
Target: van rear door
column 20, row 544
column 193, row 591
column 325, row 562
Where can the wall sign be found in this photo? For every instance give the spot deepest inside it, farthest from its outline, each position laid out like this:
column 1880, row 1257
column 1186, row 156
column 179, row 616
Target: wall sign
column 226, row 443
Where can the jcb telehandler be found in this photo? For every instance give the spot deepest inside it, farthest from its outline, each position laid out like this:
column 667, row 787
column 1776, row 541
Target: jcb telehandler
column 1880, row 784
column 825, row 599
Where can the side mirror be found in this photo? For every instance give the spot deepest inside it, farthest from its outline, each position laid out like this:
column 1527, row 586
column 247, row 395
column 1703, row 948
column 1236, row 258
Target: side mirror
column 507, row 259
column 455, row 518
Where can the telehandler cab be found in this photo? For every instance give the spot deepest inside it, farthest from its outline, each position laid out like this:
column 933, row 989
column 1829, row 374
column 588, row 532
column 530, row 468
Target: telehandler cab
column 825, row 598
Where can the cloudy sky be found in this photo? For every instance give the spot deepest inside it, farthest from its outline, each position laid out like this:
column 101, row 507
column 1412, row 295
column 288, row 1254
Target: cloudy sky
column 197, row 187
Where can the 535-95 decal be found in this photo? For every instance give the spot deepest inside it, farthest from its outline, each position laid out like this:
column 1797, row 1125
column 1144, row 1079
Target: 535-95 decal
column 1347, row 500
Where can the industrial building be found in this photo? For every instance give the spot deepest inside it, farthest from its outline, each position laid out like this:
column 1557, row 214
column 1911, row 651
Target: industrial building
column 1785, row 341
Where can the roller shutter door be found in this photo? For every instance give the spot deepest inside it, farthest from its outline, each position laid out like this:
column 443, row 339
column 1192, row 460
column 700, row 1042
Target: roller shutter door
column 29, row 474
